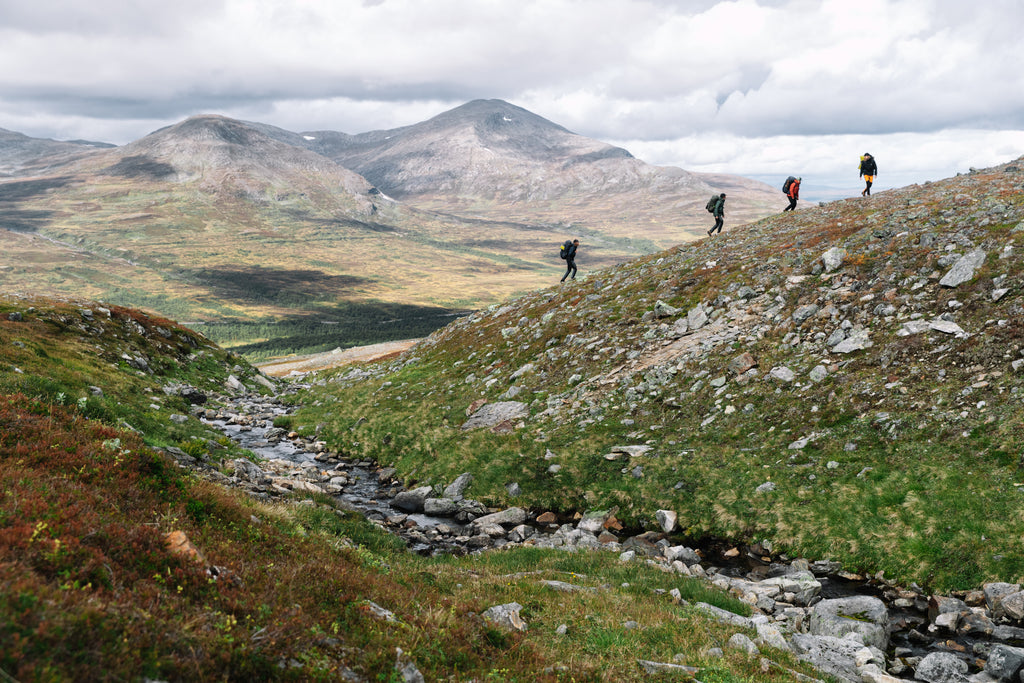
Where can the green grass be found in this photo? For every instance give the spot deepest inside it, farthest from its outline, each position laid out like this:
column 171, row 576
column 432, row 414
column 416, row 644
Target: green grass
column 90, row 589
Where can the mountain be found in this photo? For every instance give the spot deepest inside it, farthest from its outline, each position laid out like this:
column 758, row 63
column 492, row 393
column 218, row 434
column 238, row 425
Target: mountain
column 840, row 383
column 22, row 155
column 325, row 240
column 494, row 159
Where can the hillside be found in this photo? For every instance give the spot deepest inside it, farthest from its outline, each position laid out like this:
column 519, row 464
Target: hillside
column 493, row 159
column 129, row 549
column 840, row 383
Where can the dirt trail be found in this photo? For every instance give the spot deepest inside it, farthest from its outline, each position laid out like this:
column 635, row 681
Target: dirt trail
column 279, row 367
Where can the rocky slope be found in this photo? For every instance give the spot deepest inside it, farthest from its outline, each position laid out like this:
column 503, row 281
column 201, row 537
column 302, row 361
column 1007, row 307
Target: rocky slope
column 843, row 383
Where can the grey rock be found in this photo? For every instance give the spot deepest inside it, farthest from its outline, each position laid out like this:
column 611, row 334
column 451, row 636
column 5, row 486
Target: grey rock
column 782, row 374
column 666, row 520
column 818, row 373
column 506, row 616
column 994, row 594
column 833, row 259
column 491, row 414
column 440, row 507
column 1012, row 606
column 724, row 616
column 863, row 615
column 945, row 326
column 412, row 501
column 511, row 516
column 1005, row 663
column 856, row 341
column 963, row 270
column 766, row 487
column 663, row 310
column 681, row 553
column 406, row 668
column 835, row 656
column 802, row 584
column 941, row 667
column 655, row 668
column 804, row 313
column 837, row 336
column 744, row 644
column 696, row 318
column 457, row 488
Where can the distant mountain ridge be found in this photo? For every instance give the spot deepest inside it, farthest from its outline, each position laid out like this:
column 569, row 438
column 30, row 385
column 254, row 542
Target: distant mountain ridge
column 214, row 218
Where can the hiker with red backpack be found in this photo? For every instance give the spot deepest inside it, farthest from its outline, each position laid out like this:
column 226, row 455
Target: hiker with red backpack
column 792, row 189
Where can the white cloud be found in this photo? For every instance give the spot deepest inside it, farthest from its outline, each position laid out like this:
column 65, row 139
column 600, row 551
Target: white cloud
column 788, row 76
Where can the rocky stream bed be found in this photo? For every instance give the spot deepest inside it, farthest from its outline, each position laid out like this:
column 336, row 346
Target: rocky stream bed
column 849, row 626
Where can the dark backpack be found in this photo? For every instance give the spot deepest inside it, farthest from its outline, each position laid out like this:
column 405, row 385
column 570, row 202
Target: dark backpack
column 712, row 203
column 564, row 252
column 789, row 181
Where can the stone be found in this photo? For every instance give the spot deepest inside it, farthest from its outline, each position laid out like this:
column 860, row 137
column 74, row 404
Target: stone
column 834, row 656
column 506, row 616
column 412, row 501
column 856, row 341
column 666, row 520
column 782, row 374
column 940, row 604
column 440, row 507
column 742, row 643
column 945, row 326
column 406, row 668
column 655, row 668
column 696, row 318
column 663, row 310
column 963, row 270
column 742, row 363
column 994, row 594
column 457, row 488
column 864, row 615
column 804, row 313
column 833, row 259
column 724, row 616
column 511, row 516
column 941, row 667
column 766, row 487
column 801, row 584
column 680, row 553
column 818, row 373
column 1012, row 606
column 491, row 414
column 1004, row 662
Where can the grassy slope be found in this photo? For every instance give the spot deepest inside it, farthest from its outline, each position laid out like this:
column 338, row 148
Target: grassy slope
column 89, row 589
column 913, row 464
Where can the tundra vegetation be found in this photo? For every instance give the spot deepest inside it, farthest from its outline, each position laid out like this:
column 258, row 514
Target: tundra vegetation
column 94, row 517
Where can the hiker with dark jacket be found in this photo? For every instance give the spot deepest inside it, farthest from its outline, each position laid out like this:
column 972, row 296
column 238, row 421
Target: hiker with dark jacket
column 718, row 211
column 868, row 170
column 793, row 193
column 569, row 250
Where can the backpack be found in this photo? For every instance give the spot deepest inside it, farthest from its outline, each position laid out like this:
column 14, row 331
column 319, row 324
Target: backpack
column 789, row 181
column 564, row 252
column 712, row 203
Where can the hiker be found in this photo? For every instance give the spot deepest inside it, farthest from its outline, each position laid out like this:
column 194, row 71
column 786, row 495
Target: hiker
column 717, row 208
column 569, row 254
column 792, row 190
column 868, row 170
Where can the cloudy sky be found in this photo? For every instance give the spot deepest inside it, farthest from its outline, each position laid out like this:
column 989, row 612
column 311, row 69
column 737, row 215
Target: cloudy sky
column 763, row 88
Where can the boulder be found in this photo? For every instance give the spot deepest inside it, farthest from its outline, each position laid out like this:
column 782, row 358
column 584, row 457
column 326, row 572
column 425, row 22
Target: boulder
column 863, row 615
column 837, row 657
column 963, row 270
column 666, row 520
column 412, row 501
column 457, row 488
column 512, row 516
column 941, row 667
column 833, row 259
column 491, row 414
column 506, row 616
column 1005, row 663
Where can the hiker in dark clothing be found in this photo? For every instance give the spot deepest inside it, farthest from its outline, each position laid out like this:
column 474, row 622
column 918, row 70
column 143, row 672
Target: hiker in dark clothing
column 868, row 170
column 570, row 260
column 793, row 193
column 719, row 213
